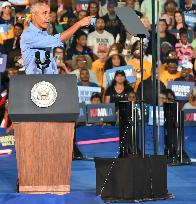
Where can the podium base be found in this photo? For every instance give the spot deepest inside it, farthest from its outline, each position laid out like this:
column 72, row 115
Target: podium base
column 59, row 190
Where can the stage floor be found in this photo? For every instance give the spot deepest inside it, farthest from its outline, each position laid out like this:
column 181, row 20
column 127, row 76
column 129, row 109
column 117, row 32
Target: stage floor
column 181, row 179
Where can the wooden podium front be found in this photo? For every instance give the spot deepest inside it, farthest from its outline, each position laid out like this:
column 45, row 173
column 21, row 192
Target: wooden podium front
column 44, row 130
column 44, row 156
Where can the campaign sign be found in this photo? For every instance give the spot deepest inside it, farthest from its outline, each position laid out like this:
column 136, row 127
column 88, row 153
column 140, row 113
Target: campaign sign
column 6, row 141
column 85, row 92
column 150, row 115
column 82, row 116
column 19, row 2
column 3, row 62
column 190, row 117
column 190, row 19
column 4, row 28
column 110, row 73
column 101, row 113
column 181, row 89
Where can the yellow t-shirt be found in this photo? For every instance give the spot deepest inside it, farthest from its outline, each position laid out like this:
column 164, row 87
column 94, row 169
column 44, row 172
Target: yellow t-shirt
column 146, row 71
column 98, row 69
column 166, row 76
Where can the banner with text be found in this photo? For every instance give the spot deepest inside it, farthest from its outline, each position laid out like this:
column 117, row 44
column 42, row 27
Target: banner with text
column 101, row 113
column 181, row 89
column 85, row 92
column 190, row 19
column 128, row 71
column 190, row 117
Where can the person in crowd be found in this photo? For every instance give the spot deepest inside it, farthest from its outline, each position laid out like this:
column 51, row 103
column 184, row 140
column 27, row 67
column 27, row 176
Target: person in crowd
column 186, row 72
column 12, row 45
column 148, row 89
column 96, row 98
column 6, row 14
column 132, row 4
column 81, row 14
column 170, row 96
column 135, row 62
column 79, row 46
column 114, row 60
column 189, row 7
column 179, row 21
column 64, row 14
column 84, row 79
column 118, row 90
column 184, row 48
column 171, row 54
column 99, row 36
column 112, row 23
column 5, row 121
column 146, row 8
column 59, row 56
column 93, row 9
column 98, row 65
column 36, row 39
column 7, row 20
column 116, row 47
column 170, row 7
column 162, row 98
column 132, row 96
column 83, row 62
column 171, row 72
column 191, row 104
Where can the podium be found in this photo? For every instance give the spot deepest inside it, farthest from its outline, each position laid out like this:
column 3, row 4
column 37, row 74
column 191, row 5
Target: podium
column 43, row 109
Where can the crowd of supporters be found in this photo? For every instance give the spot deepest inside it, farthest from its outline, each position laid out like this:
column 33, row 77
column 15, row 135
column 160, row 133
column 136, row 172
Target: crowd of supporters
column 106, row 45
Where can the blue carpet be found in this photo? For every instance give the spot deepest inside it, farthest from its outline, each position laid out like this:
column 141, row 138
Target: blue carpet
column 181, row 179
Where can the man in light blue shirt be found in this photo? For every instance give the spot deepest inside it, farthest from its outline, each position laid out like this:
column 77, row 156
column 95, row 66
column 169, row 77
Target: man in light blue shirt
column 36, row 38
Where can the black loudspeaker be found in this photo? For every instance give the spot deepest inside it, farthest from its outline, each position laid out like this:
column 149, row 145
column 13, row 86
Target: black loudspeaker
column 131, row 178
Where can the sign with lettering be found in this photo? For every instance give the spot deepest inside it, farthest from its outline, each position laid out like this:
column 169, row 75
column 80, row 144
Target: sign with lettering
column 190, row 117
column 190, row 19
column 82, row 116
column 19, row 2
column 6, row 141
column 161, row 115
column 110, row 73
column 85, row 92
column 181, row 89
column 101, row 113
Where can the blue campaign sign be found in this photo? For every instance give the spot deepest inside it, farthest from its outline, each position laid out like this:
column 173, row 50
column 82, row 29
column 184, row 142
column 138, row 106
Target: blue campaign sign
column 85, row 92
column 181, row 89
column 4, row 28
column 150, row 115
column 128, row 71
column 82, row 116
column 190, row 19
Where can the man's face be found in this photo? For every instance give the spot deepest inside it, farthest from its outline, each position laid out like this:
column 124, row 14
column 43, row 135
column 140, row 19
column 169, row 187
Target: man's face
column 188, row 2
column 172, row 68
column 111, row 9
column 41, row 18
column 7, row 9
column 100, row 24
column 84, row 75
column 81, row 15
column 17, row 31
column 82, row 40
column 130, row 3
column 162, row 26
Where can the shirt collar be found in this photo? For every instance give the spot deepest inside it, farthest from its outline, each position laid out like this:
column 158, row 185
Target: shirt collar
column 33, row 27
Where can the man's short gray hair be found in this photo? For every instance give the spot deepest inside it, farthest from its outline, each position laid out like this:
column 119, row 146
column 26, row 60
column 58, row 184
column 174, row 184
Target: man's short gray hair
column 36, row 6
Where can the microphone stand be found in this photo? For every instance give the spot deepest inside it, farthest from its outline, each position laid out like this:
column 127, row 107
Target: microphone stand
column 45, row 64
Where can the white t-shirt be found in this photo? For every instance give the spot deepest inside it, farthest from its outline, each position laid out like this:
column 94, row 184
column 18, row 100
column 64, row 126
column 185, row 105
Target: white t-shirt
column 95, row 39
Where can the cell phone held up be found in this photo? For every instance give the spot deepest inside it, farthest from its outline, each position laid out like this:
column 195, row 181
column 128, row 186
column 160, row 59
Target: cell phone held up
column 93, row 21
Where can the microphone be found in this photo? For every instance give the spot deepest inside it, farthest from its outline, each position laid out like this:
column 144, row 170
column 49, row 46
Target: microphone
column 37, row 58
